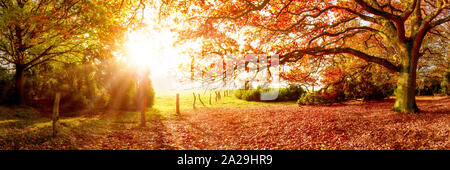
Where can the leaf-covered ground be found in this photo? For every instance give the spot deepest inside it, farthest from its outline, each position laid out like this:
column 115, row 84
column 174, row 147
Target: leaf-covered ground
column 351, row 125
column 343, row 126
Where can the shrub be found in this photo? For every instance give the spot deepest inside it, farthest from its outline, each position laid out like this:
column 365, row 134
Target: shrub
column 314, row 98
column 354, row 89
column 125, row 93
column 6, row 86
column 445, row 84
column 292, row 93
column 374, row 92
column 347, row 90
column 238, row 93
column 18, row 112
column 249, row 95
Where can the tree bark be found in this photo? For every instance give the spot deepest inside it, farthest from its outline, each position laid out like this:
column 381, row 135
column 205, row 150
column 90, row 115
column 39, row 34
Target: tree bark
column 19, row 84
column 55, row 116
column 405, row 101
column 405, row 93
column 445, row 84
column 143, row 110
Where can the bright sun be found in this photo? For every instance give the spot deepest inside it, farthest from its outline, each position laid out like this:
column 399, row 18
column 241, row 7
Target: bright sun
column 153, row 50
column 153, row 47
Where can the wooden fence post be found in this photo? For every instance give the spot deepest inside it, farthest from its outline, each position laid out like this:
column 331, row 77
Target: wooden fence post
column 178, row 103
column 210, row 103
column 200, row 99
column 194, row 100
column 56, row 113
column 217, row 97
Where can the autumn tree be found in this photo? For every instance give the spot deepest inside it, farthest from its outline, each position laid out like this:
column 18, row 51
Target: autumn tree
column 390, row 32
column 434, row 63
column 33, row 32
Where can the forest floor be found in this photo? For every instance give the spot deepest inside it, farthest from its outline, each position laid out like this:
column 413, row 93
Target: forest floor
column 235, row 124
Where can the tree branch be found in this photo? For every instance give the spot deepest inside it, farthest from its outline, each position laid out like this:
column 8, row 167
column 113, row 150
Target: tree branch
column 439, row 22
column 347, row 30
column 399, row 23
column 409, row 10
column 320, row 51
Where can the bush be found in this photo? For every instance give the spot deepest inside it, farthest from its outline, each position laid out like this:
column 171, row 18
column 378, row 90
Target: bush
column 445, row 84
column 377, row 92
column 6, row 86
column 354, row 89
column 238, row 93
column 314, row 98
column 125, row 93
column 18, row 112
column 347, row 90
column 249, row 95
column 292, row 93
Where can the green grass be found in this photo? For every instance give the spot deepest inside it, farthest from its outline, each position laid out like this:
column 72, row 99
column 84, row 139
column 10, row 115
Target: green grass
column 166, row 102
column 25, row 128
column 24, row 133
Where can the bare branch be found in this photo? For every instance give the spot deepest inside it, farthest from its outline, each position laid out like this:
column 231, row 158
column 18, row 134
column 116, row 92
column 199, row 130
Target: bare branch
column 347, row 30
column 368, row 6
column 409, row 10
column 439, row 22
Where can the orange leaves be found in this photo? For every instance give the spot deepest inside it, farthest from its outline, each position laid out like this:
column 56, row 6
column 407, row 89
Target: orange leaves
column 332, row 74
column 298, row 76
column 350, row 126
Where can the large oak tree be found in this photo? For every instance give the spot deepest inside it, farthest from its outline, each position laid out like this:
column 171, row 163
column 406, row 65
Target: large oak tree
column 389, row 33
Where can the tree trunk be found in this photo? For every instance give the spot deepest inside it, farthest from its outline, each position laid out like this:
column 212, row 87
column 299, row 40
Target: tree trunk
column 143, row 110
column 445, row 84
column 19, row 84
column 89, row 85
column 55, row 116
column 405, row 101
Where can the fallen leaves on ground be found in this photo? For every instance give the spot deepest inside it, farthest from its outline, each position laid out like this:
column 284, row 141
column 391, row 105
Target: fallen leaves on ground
column 349, row 125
